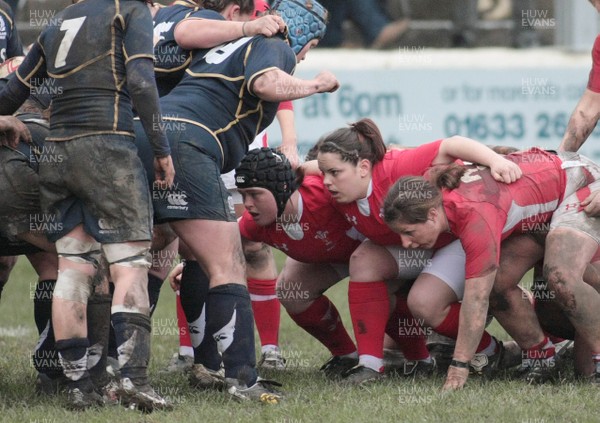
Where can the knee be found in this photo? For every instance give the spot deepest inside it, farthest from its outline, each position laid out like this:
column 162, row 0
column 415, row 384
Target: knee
column 79, row 251
column 420, row 306
column 256, row 253
column 499, row 301
column 292, row 295
column 73, row 285
column 162, row 236
column 131, row 254
column 560, row 285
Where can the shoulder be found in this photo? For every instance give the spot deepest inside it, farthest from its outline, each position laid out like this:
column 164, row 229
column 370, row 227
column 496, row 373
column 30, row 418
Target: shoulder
column 6, row 13
column 206, row 14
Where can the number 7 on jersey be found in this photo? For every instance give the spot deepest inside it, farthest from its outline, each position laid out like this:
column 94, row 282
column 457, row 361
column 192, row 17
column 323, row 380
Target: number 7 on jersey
column 71, row 28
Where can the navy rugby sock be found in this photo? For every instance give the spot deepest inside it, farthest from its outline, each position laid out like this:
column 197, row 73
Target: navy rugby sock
column 45, row 355
column 154, row 285
column 230, row 323
column 132, row 333
column 192, row 294
column 73, row 356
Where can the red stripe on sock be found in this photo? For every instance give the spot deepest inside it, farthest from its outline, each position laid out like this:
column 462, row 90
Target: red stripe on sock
column 184, row 333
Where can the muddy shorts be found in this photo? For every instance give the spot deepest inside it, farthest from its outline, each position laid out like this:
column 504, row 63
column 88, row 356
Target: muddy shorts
column 97, row 181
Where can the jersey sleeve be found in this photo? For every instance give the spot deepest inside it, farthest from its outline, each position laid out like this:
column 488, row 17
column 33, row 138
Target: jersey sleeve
column 266, row 54
column 480, row 233
column 14, row 46
column 11, row 35
column 30, row 73
column 594, row 78
column 137, row 41
column 411, row 162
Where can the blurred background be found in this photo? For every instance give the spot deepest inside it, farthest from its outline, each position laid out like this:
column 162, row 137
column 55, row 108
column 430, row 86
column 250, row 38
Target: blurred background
column 505, row 72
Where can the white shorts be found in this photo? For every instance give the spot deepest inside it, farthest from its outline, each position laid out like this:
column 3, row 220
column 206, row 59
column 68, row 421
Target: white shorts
column 447, row 264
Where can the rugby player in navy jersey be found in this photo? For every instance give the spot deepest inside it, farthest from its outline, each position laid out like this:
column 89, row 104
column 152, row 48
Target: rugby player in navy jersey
column 10, row 42
column 170, row 60
column 171, row 51
column 99, row 58
column 196, row 33
column 228, row 95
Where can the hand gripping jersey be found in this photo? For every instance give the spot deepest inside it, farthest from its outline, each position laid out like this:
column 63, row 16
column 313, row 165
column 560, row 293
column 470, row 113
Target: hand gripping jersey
column 320, row 234
column 366, row 214
column 216, row 91
column 122, row 31
column 170, row 60
column 482, row 212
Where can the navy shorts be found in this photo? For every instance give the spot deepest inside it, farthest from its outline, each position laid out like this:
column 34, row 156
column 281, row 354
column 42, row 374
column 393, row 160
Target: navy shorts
column 97, row 181
column 20, row 209
column 198, row 191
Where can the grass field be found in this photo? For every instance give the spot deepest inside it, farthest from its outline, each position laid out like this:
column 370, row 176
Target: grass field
column 310, row 398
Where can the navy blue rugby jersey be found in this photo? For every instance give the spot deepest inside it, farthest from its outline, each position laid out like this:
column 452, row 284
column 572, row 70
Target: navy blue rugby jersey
column 85, row 54
column 216, row 91
column 170, row 60
column 10, row 42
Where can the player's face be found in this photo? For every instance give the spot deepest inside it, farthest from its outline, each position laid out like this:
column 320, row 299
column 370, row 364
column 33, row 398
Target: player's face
column 345, row 181
column 596, row 4
column 302, row 54
column 417, row 235
column 261, row 205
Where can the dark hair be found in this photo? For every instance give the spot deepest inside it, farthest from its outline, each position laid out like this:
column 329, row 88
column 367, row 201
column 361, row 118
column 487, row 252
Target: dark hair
column 503, row 149
column 246, row 6
column 314, row 150
column 361, row 140
column 411, row 197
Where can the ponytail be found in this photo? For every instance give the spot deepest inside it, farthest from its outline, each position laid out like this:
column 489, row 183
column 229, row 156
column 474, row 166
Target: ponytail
column 360, row 140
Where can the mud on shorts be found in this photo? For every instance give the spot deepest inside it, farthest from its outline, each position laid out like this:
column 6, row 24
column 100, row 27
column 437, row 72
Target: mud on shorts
column 97, row 181
column 198, row 191
column 583, row 178
column 570, row 213
column 20, row 209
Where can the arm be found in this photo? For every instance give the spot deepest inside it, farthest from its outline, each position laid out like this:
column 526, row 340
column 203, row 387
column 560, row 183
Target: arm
column 142, row 88
column 463, row 148
column 473, row 314
column 311, row 167
column 582, row 121
column 196, row 33
column 275, row 85
column 18, row 89
column 288, row 136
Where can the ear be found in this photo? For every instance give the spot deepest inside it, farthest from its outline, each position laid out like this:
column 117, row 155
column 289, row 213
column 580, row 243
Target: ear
column 231, row 12
column 433, row 214
column 364, row 167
